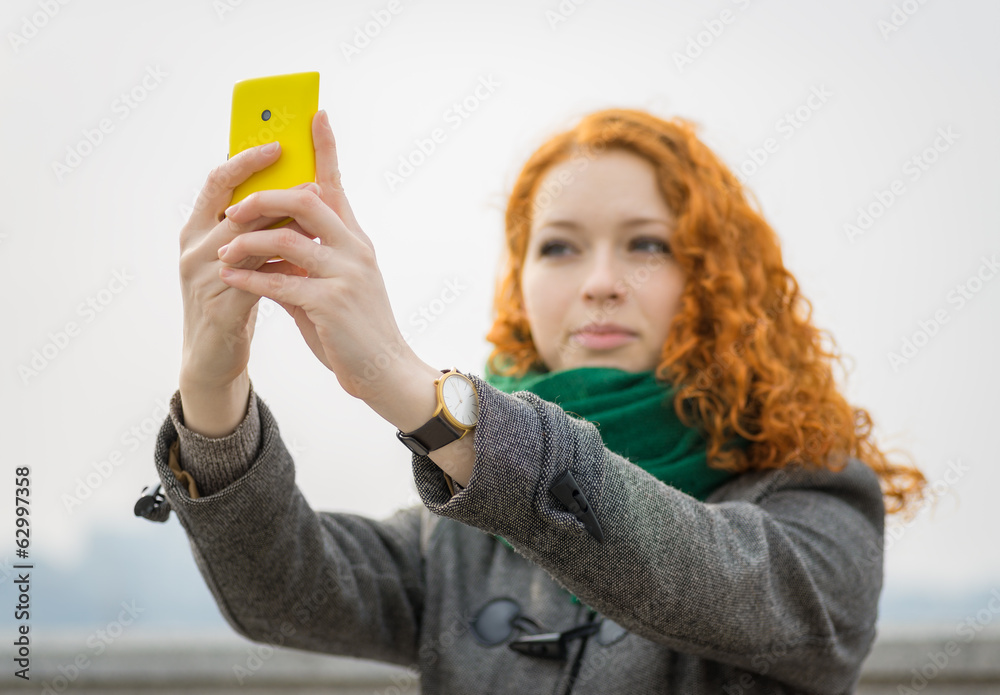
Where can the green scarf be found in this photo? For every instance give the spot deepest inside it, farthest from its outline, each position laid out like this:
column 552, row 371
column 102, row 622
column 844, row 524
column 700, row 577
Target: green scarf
column 634, row 413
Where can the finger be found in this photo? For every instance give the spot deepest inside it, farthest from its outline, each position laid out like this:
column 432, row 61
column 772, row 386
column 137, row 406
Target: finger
column 250, row 222
column 227, row 230
column 290, row 289
column 298, row 228
column 328, row 170
column 308, row 210
column 291, row 225
column 286, row 243
column 217, row 193
column 279, row 267
column 285, row 267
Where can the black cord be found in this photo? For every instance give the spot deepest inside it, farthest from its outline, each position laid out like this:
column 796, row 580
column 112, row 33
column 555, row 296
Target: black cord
column 579, row 654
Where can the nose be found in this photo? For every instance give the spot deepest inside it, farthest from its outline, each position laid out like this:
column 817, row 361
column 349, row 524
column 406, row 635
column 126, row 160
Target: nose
column 602, row 281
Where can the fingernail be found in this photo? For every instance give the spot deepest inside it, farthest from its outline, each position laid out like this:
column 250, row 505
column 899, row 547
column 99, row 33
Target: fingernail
column 222, row 250
column 324, row 116
column 270, row 148
column 231, row 209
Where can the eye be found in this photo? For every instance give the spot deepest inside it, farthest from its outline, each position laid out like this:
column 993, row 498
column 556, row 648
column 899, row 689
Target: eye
column 555, row 248
column 549, row 245
column 660, row 243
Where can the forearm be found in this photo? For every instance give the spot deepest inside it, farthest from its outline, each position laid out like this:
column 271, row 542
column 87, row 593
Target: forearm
column 215, row 412
column 278, row 569
column 724, row 581
column 407, row 399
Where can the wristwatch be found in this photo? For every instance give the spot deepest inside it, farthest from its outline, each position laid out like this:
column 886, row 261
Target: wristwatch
column 456, row 414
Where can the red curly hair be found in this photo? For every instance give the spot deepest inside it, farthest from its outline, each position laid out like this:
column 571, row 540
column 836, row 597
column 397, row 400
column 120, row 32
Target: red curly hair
column 742, row 352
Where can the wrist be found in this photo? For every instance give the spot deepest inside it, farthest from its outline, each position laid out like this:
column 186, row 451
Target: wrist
column 189, row 380
column 215, row 411
column 407, row 397
column 410, row 402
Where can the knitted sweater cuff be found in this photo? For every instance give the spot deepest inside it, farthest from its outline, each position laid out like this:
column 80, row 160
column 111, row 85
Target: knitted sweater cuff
column 215, row 462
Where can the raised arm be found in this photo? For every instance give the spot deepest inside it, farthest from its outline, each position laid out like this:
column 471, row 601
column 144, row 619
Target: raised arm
column 279, row 571
column 774, row 573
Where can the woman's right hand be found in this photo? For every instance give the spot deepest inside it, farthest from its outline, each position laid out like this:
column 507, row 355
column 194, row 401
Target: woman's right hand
column 219, row 319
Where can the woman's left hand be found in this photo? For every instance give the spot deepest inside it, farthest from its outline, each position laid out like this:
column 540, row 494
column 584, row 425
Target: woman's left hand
column 337, row 296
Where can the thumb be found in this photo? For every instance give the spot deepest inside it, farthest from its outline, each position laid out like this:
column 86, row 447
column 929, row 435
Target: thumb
column 328, row 170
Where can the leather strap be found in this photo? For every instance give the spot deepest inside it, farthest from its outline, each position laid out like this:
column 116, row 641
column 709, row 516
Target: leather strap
column 434, row 434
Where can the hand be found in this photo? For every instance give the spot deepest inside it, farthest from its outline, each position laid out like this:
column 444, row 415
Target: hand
column 219, row 319
column 340, row 302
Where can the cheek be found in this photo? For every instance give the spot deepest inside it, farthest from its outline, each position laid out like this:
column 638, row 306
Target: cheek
column 534, row 291
column 546, row 303
column 662, row 302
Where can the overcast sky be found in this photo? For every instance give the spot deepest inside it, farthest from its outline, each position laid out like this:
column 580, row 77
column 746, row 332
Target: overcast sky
column 869, row 136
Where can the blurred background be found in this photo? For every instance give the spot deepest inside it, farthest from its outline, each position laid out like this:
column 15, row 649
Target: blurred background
column 866, row 130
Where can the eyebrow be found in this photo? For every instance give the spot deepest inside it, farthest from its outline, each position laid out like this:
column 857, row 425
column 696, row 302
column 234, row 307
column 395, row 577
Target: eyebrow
column 631, row 222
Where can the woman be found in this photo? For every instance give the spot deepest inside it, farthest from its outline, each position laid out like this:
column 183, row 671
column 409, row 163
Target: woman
column 658, row 486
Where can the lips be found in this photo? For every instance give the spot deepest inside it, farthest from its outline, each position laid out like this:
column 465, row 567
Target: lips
column 604, row 328
column 603, row 336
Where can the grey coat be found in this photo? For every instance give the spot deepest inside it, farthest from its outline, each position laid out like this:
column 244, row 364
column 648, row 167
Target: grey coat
column 769, row 586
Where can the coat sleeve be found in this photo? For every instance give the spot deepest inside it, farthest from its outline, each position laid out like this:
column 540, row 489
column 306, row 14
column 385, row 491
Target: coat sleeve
column 782, row 580
column 281, row 572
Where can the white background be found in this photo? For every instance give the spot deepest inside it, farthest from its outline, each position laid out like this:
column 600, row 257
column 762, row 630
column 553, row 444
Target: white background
column 63, row 238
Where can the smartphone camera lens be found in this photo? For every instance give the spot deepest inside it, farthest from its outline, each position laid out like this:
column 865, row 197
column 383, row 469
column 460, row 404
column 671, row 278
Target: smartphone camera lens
column 266, row 115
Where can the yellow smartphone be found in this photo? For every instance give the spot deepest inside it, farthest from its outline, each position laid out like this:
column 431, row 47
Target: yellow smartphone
column 266, row 109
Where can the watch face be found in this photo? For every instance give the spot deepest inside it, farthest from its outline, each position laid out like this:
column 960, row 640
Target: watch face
column 460, row 399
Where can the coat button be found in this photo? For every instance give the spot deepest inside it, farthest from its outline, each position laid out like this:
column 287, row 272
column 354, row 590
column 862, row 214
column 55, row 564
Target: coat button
column 568, row 492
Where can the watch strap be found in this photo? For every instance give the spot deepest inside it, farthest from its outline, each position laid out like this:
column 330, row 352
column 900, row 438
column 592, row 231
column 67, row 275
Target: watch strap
column 433, row 434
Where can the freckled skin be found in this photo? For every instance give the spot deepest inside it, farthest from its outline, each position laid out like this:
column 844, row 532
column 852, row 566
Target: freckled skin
column 601, row 271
